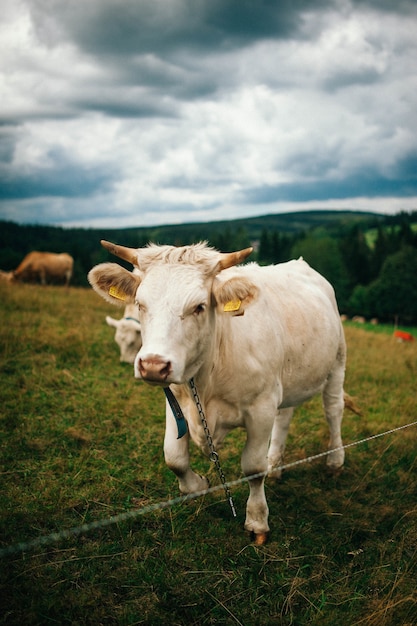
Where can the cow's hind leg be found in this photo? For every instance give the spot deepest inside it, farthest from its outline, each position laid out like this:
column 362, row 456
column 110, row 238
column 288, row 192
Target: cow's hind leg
column 333, row 404
column 278, row 440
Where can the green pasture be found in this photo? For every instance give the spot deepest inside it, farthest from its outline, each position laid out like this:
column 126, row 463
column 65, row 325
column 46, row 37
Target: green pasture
column 372, row 233
column 386, row 329
column 81, row 440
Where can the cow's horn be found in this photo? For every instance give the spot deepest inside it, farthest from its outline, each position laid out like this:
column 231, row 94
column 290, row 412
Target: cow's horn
column 128, row 254
column 234, row 258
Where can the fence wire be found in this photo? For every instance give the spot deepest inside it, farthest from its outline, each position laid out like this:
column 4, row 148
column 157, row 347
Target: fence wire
column 55, row 537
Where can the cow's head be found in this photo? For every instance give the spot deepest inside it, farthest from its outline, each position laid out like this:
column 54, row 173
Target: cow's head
column 7, row 277
column 128, row 337
column 177, row 291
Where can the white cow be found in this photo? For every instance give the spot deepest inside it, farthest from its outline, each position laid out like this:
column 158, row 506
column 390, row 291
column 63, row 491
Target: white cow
column 258, row 341
column 128, row 335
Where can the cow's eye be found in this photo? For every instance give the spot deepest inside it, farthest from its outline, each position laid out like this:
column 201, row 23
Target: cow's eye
column 200, row 308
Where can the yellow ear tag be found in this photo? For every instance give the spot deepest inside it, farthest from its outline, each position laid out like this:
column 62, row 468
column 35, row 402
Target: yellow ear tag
column 232, row 305
column 117, row 293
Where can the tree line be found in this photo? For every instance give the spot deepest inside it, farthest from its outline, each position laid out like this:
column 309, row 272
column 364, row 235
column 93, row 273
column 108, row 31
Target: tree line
column 371, row 263
column 373, row 270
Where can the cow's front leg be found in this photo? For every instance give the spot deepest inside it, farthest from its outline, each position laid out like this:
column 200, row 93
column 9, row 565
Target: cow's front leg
column 177, row 458
column 255, row 462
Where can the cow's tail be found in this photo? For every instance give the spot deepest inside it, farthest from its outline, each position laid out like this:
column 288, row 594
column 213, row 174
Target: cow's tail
column 351, row 404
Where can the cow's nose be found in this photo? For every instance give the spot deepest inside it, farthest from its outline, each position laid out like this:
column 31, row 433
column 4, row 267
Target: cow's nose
column 154, row 369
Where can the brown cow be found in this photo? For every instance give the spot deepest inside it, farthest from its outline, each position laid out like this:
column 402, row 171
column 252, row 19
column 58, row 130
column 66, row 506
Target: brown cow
column 45, row 267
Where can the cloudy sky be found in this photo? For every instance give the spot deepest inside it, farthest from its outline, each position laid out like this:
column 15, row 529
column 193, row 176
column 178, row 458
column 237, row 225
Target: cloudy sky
column 143, row 112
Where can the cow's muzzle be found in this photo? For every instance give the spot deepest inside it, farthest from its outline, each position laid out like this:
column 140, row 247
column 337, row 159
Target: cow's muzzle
column 154, row 369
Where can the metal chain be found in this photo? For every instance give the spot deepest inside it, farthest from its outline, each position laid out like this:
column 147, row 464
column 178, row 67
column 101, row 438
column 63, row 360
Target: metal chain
column 213, row 454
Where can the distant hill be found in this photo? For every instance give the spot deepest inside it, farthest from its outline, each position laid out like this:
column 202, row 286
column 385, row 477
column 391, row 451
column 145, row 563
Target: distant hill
column 27, row 237
column 288, row 223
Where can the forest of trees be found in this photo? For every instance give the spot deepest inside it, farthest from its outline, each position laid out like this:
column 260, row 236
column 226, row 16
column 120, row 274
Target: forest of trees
column 373, row 270
column 372, row 262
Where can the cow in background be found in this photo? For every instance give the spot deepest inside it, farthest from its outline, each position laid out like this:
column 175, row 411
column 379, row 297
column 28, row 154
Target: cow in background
column 128, row 334
column 257, row 341
column 44, row 267
column 6, row 277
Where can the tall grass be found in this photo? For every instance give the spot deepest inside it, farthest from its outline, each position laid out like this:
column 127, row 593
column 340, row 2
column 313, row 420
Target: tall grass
column 81, row 440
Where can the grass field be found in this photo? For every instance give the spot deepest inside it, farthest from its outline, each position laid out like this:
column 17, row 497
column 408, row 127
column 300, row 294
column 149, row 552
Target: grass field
column 81, row 440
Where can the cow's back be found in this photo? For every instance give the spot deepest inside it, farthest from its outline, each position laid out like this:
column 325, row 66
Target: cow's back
column 290, row 335
column 45, row 266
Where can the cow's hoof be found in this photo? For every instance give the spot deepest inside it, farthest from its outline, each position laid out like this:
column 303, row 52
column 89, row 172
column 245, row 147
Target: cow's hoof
column 260, row 539
column 334, row 470
column 206, row 479
column 274, row 474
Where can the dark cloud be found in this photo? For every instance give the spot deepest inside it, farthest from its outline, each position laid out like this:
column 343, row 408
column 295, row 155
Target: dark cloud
column 309, row 163
column 364, row 183
column 154, row 85
column 406, row 170
column 167, row 28
column 342, row 78
column 404, row 7
column 7, row 144
column 125, row 105
column 66, row 178
column 249, row 20
column 103, row 27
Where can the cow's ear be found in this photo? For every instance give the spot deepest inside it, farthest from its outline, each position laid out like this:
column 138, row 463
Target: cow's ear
column 235, row 295
column 111, row 321
column 114, row 283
